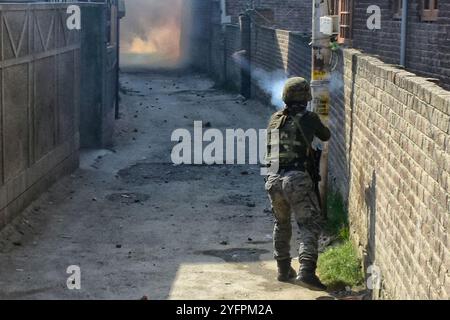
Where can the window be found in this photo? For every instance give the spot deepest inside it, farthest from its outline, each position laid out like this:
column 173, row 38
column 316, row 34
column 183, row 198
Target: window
column 333, row 7
column 343, row 9
column 345, row 21
column 397, row 6
column 429, row 10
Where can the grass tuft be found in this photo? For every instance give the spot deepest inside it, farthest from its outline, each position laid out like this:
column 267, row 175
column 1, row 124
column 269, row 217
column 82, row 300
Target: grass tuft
column 339, row 266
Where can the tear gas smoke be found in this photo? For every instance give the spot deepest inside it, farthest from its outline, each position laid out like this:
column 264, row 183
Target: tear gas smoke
column 271, row 83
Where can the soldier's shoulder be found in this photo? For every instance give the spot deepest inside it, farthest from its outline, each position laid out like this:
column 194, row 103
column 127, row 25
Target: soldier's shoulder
column 276, row 115
column 279, row 113
column 311, row 116
column 275, row 120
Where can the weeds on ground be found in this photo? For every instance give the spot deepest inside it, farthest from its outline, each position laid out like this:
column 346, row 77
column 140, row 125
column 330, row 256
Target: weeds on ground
column 339, row 266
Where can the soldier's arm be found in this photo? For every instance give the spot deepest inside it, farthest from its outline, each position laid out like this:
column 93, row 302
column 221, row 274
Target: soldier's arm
column 268, row 141
column 322, row 131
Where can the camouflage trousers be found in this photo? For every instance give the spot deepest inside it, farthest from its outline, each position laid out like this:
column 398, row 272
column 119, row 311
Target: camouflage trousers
column 292, row 193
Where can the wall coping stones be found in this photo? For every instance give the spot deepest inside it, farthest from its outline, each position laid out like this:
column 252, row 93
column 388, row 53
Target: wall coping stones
column 421, row 87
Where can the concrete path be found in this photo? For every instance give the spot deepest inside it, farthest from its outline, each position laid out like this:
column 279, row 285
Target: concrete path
column 138, row 226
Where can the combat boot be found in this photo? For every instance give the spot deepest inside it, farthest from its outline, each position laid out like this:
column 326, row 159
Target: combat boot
column 285, row 271
column 307, row 277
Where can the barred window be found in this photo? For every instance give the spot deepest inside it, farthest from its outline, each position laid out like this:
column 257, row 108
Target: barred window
column 345, row 20
column 333, row 7
column 429, row 10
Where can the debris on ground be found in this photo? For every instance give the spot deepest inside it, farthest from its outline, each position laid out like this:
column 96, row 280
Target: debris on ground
column 143, row 201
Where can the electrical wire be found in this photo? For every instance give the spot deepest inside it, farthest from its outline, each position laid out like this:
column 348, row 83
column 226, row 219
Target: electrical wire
column 334, row 60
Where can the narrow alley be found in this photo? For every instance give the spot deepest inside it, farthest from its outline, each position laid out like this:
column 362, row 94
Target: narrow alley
column 138, row 138
column 137, row 225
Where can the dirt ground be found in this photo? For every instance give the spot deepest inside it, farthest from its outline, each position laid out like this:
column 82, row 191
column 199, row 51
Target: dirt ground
column 139, row 226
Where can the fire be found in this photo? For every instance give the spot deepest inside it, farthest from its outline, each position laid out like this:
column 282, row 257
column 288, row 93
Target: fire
column 152, row 32
column 140, row 46
column 163, row 40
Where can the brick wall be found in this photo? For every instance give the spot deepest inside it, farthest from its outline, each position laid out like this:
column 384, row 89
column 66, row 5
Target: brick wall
column 289, row 14
column 271, row 50
column 428, row 45
column 275, row 49
column 390, row 157
column 212, row 44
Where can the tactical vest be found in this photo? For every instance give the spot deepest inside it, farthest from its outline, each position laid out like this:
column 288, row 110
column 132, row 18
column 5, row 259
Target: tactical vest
column 292, row 149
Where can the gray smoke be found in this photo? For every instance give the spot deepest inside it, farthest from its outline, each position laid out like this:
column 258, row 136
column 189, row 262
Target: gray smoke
column 271, row 82
column 336, row 82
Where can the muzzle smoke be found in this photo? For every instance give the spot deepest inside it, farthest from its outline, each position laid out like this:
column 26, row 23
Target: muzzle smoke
column 271, row 83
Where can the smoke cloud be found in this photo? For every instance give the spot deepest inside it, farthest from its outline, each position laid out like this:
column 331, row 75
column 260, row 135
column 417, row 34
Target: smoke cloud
column 151, row 32
column 271, row 83
column 336, row 82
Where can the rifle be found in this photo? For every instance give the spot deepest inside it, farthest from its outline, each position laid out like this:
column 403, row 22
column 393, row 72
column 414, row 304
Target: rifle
column 313, row 158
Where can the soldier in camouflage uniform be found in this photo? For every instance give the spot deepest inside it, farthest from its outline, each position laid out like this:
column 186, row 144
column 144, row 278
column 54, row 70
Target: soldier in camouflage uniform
column 291, row 189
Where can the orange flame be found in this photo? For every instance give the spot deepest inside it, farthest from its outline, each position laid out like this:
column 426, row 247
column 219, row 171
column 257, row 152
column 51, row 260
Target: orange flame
column 161, row 38
column 164, row 41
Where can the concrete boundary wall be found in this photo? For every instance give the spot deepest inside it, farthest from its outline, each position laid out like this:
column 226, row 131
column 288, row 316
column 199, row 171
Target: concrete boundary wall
column 390, row 158
column 196, row 33
column 98, row 78
column 232, row 45
column 40, row 83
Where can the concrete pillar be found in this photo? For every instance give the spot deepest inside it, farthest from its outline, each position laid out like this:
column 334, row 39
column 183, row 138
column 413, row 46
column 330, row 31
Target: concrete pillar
column 320, row 81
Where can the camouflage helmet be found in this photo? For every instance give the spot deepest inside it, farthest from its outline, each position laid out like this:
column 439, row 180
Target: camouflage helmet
column 296, row 90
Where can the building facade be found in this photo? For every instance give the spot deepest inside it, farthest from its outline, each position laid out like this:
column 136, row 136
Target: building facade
column 428, row 34
column 293, row 15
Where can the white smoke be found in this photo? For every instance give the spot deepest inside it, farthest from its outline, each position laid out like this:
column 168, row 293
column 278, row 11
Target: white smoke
column 271, row 83
column 336, row 82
